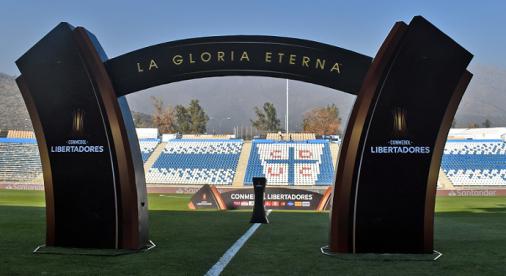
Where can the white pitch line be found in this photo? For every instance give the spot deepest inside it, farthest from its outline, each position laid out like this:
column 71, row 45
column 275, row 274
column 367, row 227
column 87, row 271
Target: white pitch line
column 230, row 253
column 172, row 196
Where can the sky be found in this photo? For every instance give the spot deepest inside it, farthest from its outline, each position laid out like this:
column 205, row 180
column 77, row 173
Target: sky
column 361, row 26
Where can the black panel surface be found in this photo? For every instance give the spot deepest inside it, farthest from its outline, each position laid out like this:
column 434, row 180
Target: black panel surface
column 77, row 140
column 405, row 121
column 239, row 55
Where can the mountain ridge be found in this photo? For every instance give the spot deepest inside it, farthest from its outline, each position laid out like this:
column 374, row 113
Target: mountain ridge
column 229, row 101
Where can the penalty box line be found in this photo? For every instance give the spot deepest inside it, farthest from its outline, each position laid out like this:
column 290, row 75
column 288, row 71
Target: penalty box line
column 230, row 253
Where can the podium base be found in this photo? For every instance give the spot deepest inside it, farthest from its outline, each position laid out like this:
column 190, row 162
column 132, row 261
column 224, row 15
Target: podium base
column 381, row 257
column 262, row 220
column 43, row 249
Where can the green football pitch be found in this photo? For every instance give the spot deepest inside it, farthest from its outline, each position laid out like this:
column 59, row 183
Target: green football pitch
column 470, row 232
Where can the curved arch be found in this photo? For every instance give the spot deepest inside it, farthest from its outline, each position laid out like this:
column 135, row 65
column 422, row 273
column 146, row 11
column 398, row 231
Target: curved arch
column 270, row 56
column 417, row 78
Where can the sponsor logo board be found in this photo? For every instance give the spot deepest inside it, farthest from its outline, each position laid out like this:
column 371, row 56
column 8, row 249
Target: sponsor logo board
column 274, row 198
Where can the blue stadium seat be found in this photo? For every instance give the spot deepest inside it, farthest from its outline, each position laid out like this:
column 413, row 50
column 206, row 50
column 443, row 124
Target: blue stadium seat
column 147, row 147
column 299, row 163
column 475, row 162
column 19, row 160
column 291, row 163
column 196, row 161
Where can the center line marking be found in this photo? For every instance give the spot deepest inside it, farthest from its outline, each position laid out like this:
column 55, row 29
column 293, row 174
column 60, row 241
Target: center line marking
column 230, row 253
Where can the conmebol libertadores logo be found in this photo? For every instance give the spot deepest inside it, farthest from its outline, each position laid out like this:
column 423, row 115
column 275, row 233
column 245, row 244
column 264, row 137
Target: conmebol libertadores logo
column 77, row 146
column 77, row 143
column 400, row 128
column 78, row 122
column 400, row 144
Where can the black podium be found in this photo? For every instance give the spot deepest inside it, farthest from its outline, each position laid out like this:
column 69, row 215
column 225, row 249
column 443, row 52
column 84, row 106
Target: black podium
column 259, row 215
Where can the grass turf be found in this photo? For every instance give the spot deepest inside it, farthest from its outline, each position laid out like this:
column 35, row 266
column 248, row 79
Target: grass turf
column 469, row 231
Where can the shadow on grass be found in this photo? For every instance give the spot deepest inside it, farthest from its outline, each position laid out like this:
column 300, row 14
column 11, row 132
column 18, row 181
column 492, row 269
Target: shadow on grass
column 471, row 205
column 187, row 242
column 470, row 232
column 472, row 244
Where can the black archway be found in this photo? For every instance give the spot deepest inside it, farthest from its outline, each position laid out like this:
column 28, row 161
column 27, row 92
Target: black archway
column 270, row 56
column 93, row 174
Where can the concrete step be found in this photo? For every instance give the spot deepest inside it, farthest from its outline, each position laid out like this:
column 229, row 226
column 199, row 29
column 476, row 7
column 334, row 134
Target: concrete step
column 242, row 165
column 334, row 152
column 444, row 181
column 154, row 156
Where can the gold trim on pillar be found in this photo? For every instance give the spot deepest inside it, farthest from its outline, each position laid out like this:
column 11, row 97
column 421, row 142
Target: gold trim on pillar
column 129, row 234
column 435, row 164
column 341, row 224
column 44, row 158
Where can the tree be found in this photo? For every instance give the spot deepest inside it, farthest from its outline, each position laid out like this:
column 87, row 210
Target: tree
column 473, row 125
column 322, row 120
column 266, row 119
column 198, row 117
column 192, row 119
column 163, row 118
column 487, row 123
column 183, row 119
column 142, row 120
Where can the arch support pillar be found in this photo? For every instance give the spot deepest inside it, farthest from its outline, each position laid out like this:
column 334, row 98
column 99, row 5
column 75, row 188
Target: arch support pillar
column 93, row 175
column 385, row 187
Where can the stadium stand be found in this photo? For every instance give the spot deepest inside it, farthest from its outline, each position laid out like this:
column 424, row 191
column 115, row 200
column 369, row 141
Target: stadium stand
column 22, row 134
column 475, row 162
column 290, row 136
column 19, row 160
column 472, row 158
column 147, row 146
column 196, row 161
column 208, row 136
column 291, row 163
